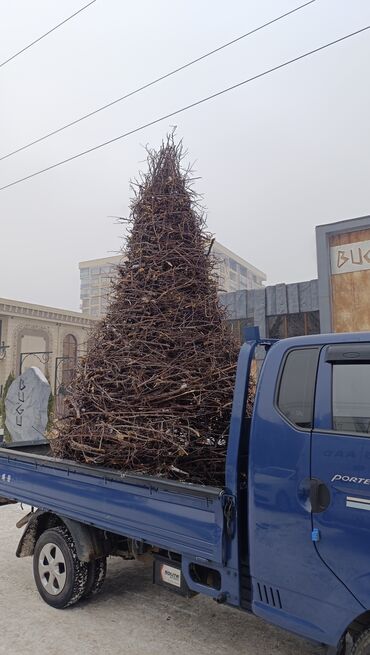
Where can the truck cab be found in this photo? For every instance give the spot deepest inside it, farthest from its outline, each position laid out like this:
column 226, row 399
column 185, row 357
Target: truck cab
column 309, row 485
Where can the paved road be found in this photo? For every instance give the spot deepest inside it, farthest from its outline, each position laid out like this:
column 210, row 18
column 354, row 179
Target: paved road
column 129, row 617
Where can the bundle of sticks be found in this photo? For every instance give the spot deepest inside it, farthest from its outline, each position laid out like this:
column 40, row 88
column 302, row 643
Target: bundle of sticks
column 154, row 392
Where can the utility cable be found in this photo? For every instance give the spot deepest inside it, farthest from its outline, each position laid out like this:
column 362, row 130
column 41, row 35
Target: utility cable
column 46, row 34
column 183, row 109
column 155, row 81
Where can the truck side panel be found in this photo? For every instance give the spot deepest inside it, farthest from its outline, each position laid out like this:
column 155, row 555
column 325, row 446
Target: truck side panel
column 189, row 523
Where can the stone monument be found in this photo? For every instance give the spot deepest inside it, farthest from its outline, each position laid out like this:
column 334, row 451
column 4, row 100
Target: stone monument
column 26, row 407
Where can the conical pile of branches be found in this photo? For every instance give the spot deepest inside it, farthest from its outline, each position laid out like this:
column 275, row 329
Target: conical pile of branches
column 154, row 393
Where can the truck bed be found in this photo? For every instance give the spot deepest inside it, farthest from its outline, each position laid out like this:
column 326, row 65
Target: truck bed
column 181, row 517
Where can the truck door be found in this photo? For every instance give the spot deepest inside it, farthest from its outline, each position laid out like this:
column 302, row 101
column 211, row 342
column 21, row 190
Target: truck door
column 283, row 559
column 340, row 465
column 292, row 585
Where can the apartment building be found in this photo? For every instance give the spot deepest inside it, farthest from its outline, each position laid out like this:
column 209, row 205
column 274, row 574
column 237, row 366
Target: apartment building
column 234, row 274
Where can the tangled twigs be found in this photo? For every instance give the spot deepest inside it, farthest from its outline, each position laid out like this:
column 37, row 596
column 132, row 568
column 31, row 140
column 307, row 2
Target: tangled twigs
column 154, row 391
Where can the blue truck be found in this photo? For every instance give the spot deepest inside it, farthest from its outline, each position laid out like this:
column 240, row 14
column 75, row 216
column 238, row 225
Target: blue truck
column 287, row 537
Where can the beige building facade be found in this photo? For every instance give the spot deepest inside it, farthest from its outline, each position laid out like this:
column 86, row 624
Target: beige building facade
column 46, row 337
column 234, row 274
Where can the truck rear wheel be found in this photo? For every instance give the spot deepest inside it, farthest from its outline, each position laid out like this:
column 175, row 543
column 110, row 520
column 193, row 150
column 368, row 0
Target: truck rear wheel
column 97, row 570
column 60, row 577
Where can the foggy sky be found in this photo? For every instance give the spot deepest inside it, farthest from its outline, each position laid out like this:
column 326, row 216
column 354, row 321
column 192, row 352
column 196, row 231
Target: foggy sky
column 275, row 157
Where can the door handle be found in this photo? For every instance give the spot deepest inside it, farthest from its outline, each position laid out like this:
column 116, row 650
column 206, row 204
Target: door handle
column 319, row 496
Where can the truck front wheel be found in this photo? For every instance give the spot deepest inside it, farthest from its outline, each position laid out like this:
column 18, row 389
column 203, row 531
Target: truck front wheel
column 61, row 578
column 361, row 645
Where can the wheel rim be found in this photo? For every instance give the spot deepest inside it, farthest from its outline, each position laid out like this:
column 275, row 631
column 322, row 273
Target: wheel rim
column 52, row 569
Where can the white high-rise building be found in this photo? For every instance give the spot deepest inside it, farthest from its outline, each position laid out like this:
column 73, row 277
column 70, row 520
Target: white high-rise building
column 234, row 274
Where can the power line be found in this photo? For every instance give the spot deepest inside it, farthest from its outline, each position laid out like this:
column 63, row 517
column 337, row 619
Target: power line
column 193, row 104
column 155, row 81
column 46, row 34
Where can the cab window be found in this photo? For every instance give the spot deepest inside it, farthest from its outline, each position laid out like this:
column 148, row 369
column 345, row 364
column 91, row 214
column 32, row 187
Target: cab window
column 297, row 386
column 351, row 397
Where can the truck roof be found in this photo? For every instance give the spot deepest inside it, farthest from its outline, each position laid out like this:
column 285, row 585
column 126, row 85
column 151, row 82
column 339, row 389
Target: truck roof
column 322, row 339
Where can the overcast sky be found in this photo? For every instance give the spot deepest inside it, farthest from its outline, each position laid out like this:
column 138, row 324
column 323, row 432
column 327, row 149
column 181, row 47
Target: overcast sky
column 275, row 157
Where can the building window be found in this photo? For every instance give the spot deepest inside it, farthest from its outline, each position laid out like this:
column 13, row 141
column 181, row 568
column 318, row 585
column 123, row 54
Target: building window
column 84, row 272
column 107, row 279
column 313, row 322
column 293, row 325
column 297, row 386
column 296, row 325
column 69, row 358
column 238, row 327
column 233, row 264
column 351, row 402
column 277, row 327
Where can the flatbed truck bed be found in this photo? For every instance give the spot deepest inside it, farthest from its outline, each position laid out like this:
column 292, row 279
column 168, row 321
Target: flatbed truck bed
column 184, row 518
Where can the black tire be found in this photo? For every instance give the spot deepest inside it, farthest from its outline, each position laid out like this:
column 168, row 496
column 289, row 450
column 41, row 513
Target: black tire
column 362, row 644
column 96, row 573
column 55, row 551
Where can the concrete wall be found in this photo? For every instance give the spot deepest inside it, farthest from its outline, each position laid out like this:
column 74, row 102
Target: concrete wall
column 257, row 305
